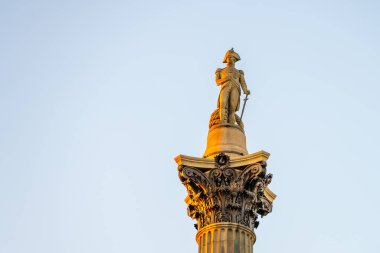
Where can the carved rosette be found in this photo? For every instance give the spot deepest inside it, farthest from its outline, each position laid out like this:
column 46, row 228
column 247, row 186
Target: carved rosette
column 226, row 194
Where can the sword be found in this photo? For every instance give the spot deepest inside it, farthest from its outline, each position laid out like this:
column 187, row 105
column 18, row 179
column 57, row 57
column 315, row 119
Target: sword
column 242, row 111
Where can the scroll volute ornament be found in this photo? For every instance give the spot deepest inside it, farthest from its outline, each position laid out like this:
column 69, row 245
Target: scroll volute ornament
column 226, row 194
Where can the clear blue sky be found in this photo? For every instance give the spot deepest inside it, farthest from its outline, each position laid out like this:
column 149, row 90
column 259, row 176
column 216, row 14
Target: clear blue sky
column 97, row 97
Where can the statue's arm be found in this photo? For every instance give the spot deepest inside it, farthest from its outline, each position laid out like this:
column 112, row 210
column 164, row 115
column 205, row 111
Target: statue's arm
column 243, row 83
column 218, row 79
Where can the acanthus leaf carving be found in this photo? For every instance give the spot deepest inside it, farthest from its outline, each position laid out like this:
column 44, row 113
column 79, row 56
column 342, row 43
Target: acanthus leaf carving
column 226, row 194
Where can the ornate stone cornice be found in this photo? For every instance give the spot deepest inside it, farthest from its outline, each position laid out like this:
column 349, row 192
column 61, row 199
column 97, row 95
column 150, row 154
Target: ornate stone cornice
column 230, row 191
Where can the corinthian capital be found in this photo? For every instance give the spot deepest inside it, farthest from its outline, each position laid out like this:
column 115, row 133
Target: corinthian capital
column 227, row 194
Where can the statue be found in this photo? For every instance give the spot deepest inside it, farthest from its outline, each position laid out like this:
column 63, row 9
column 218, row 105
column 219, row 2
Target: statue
column 230, row 80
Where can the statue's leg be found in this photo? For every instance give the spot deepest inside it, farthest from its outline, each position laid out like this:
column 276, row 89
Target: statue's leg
column 223, row 108
column 234, row 100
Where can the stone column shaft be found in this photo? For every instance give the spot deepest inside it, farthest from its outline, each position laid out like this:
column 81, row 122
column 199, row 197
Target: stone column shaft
column 225, row 237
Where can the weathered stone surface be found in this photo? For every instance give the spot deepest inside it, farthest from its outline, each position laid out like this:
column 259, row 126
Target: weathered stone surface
column 230, row 79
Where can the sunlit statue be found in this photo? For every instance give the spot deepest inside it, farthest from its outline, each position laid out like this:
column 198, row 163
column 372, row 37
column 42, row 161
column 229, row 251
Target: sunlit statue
column 230, row 79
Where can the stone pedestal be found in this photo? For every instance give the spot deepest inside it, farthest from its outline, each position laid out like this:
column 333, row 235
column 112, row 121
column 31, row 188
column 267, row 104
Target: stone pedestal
column 227, row 138
column 225, row 237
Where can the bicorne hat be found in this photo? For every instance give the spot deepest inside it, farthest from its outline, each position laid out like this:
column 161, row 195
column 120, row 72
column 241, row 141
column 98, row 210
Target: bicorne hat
column 233, row 53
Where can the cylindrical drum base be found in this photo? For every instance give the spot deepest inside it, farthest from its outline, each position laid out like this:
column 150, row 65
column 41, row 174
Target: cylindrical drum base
column 226, row 138
column 225, row 237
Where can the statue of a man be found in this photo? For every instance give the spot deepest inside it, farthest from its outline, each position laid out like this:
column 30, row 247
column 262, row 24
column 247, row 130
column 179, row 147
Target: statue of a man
column 230, row 79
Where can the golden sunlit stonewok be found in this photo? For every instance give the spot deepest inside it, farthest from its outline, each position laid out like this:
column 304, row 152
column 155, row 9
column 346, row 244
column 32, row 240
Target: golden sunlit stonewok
column 227, row 187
